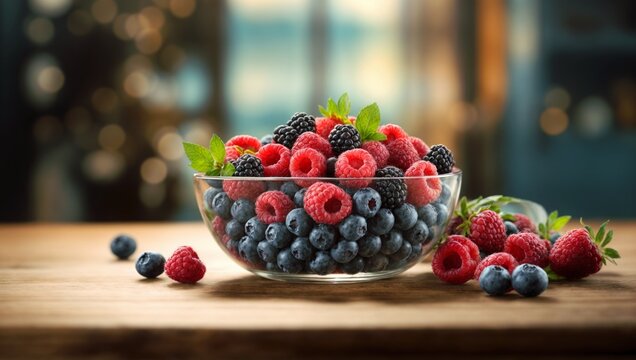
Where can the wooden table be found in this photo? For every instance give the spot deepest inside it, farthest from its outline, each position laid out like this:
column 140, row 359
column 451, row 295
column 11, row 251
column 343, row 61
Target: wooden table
column 63, row 295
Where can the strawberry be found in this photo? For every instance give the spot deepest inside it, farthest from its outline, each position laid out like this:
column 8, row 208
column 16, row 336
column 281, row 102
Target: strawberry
column 580, row 253
column 488, row 231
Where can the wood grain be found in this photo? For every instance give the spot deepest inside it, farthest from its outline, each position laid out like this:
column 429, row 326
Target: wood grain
column 62, row 294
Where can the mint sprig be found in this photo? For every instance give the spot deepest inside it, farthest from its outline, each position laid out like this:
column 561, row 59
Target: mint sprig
column 210, row 161
column 368, row 122
column 553, row 223
column 338, row 111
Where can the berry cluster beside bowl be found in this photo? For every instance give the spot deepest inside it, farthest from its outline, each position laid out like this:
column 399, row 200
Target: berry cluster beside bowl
column 332, row 198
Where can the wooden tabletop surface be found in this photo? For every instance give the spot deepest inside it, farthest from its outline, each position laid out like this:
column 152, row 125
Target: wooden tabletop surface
column 63, row 295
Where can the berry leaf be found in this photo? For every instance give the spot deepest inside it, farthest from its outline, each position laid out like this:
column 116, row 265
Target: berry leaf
column 201, row 158
column 368, row 122
column 228, row 169
column 552, row 276
column 612, row 253
column 337, row 111
column 344, row 105
column 217, row 148
column 553, row 223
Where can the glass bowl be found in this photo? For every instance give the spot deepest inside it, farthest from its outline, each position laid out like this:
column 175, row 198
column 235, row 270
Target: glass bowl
column 313, row 242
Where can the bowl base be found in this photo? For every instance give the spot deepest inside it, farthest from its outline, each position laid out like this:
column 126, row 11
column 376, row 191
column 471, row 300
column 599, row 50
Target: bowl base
column 328, row 279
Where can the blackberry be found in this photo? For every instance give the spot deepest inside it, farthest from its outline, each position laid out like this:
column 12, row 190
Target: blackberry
column 248, row 165
column 343, row 138
column 442, row 158
column 302, row 122
column 392, row 192
column 285, row 135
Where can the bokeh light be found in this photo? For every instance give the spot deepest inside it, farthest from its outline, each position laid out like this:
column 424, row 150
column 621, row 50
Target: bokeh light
column 168, row 144
column 557, row 97
column 51, row 79
column 148, row 41
column 50, row 8
column 153, row 170
column 152, row 17
column 462, row 115
column 137, row 84
column 593, row 116
column 553, row 121
column 40, row 30
column 43, row 78
column 80, row 23
column 182, row 8
column 104, row 11
column 105, row 100
column 103, row 166
column 111, row 137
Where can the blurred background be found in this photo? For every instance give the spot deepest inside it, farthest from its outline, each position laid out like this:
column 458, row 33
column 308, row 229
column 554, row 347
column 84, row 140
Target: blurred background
column 536, row 98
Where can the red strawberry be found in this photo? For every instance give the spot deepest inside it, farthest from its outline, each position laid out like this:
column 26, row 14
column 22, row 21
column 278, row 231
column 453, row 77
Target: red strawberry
column 579, row 253
column 488, row 231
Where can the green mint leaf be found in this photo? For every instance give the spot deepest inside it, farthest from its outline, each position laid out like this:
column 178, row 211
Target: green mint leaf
column 368, row 121
column 200, row 157
column 228, row 169
column 612, row 253
column 217, row 148
column 509, row 217
column 214, row 172
column 560, row 222
column 344, row 105
column 376, row 137
column 323, row 111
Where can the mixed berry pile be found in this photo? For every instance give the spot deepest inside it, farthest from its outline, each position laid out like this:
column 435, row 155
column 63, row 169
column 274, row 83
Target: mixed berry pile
column 332, row 194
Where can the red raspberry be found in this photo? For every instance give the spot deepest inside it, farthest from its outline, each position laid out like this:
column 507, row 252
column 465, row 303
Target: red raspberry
column 419, row 145
column 402, row 153
column 392, row 132
column 325, row 125
column 185, row 266
column 275, row 159
column 524, row 224
column 527, row 248
column 218, row 226
column 575, row 255
column 453, row 263
column 473, row 249
column 273, row 206
column 453, row 225
column 422, row 190
column 246, row 142
column 355, row 163
column 247, row 189
column 327, row 203
column 312, row 140
column 307, row 163
column 378, row 151
column 500, row 258
column 488, row 231
column 232, row 153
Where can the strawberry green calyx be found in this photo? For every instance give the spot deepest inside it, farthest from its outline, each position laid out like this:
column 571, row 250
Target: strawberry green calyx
column 338, row 111
column 468, row 209
column 553, row 223
column 210, row 161
column 368, row 123
column 602, row 238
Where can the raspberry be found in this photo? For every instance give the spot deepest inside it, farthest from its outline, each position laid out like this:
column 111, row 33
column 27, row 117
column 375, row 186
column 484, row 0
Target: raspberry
column 419, row 145
column 301, row 122
column 392, row 192
column 453, row 225
column 246, row 142
column 473, row 249
column 247, row 189
column 527, row 248
column 285, row 135
column 218, row 226
column 576, row 254
column 488, row 231
column 248, row 166
column 356, row 163
column 442, row 158
column 378, row 151
column 392, row 132
column 307, row 163
column 343, row 138
column 422, row 183
column 185, row 266
column 275, row 159
column 232, row 153
column 524, row 224
column 500, row 258
column 453, row 263
column 324, row 126
column 327, row 203
column 273, row 206
column 402, row 153
column 314, row 141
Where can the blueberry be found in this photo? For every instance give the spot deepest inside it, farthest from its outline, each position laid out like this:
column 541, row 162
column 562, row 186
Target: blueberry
column 234, row 229
column 495, row 280
column 416, row 251
column 511, row 228
column 123, row 246
column 377, row 262
column 255, row 229
column 344, row 251
column 391, row 242
column 242, row 210
column 403, row 252
column 353, row 227
column 529, row 280
column 382, row 222
column 215, row 183
column 366, row 202
column 150, row 264
column 405, row 216
column 267, row 251
column 267, row 139
column 289, row 188
column 442, row 213
column 444, row 196
column 322, row 263
column 208, row 196
column 278, row 234
column 554, row 237
column 331, row 166
column 288, row 263
column 322, row 236
column 369, row 245
column 299, row 222
column 301, row 248
column 272, row 266
column 232, row 246
column 222, row 205
column 354, row 266
column 428, row 214
column 417, row 234
column 299, row 197
column 248, row 249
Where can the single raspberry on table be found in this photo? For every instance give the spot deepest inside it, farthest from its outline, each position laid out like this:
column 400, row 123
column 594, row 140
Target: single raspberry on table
column 402, row 153
column 422, row 184
column 453, row 263
column 356, row 163
column 185, row 266
column 378, row 151
column 313, row 141
column 488, row 231
column 327, row 203
column 275, row 159
column 524, row 224
column 500, row 258
column 473, row 249
column 248, row 189
column 527, row 248
column 392, row 132
column 273, row 206
column 419, row 145
column 246, row 142
column 307, row 163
